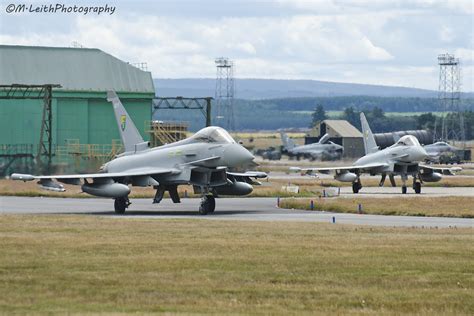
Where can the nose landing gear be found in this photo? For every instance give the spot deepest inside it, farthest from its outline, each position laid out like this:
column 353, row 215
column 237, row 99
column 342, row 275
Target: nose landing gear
column 416, row 185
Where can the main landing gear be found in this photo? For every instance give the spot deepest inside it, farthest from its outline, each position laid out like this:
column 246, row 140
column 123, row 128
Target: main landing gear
column 356, row 186
column 121, row 204
column 416, row 185
column 208, row 204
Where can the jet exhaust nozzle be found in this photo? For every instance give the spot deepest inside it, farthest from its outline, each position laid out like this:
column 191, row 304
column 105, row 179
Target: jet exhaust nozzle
column 110, row 190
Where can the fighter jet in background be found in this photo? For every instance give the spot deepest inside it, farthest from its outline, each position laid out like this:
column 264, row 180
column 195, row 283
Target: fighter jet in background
column 442, row 151
column 401, row 159
column 207, row 160
column 322, row 150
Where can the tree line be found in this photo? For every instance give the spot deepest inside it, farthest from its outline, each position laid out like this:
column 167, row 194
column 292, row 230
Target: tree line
column 289, row 113
column 381, row 123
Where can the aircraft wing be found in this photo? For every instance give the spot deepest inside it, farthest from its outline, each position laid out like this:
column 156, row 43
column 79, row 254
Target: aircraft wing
column 354, row 168
column 75, row 178
column 450, row 171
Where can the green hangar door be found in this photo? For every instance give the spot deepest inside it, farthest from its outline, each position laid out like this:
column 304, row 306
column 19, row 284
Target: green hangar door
column 83, row 127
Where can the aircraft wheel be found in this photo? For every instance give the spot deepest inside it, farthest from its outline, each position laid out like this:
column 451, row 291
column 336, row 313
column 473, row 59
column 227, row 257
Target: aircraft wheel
column 208, row 205
column 404, row 189
column 356, row 186
column 121, row 205
column 212, row 203
column 417, row 187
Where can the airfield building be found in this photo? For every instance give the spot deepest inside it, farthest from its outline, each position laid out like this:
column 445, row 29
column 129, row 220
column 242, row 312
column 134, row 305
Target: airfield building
column 341, row 132
column 80, row 113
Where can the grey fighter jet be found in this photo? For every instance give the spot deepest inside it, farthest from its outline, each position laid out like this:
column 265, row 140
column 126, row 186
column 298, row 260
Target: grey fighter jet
column 322, row 150
column 440, row 151
column 208, row 160
column 403, row 158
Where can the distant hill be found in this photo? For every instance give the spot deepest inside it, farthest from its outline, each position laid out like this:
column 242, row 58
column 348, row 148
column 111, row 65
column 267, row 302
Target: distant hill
column 273, row 88
column 289, row 103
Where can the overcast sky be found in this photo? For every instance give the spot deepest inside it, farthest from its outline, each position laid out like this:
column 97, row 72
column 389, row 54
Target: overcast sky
column 393, row 42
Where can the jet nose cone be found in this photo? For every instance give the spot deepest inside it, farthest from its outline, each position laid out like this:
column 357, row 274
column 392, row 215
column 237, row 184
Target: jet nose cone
column 235, row 156
column 422, row 154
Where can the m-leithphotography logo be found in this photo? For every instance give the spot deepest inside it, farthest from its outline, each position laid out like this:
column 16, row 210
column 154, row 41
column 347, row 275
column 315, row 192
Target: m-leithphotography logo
column 59, row 8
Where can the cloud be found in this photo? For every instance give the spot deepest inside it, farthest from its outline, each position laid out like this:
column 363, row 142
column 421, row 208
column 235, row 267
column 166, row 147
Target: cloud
column 380, row 42
column 347, row 7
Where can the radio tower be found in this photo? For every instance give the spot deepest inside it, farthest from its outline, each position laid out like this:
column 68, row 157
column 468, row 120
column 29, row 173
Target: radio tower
column 225, row 93
column 449, row 98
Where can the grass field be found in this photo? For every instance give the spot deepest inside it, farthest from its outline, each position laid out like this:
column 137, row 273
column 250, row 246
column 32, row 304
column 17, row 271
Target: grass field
column 72, row 264
column 420, row 206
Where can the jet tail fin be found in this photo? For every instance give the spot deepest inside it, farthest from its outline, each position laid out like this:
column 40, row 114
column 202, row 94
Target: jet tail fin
column 370, row 145
column 287, row 141
column 324, row 138
column 131, row 138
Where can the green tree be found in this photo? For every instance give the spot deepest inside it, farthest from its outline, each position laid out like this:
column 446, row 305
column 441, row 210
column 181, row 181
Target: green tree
column 426, row 121
column 377, row 113
column 351, row 116
column 319, row 115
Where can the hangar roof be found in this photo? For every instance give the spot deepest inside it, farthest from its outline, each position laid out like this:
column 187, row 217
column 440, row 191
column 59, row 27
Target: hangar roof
column 76, row 69
column 343, row 128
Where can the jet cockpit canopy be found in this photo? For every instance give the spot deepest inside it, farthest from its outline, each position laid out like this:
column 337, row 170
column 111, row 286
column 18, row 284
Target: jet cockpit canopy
column 408, row 140
column 212, row 134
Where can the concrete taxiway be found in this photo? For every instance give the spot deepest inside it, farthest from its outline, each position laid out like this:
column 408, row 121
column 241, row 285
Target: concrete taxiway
column 247, row 209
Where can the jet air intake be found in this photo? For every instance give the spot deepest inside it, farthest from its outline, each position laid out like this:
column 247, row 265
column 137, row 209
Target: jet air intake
column 110, row 190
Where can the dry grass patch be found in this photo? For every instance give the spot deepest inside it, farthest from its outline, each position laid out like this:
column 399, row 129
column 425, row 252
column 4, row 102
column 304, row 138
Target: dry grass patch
column 446, row 182
column 268, row 189
column 262, row 140
column 87, row 264
column 415, row 206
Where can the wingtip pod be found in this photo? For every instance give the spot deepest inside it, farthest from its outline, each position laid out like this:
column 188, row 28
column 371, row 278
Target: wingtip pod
column 22, row 177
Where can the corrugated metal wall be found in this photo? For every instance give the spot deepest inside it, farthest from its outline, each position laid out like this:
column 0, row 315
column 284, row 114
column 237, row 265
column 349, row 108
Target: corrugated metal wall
column 79, row 118
column 90, row 120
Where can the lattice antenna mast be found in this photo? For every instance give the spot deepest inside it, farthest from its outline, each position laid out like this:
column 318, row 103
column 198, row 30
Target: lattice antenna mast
column 225, row 93
column 449, row 98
